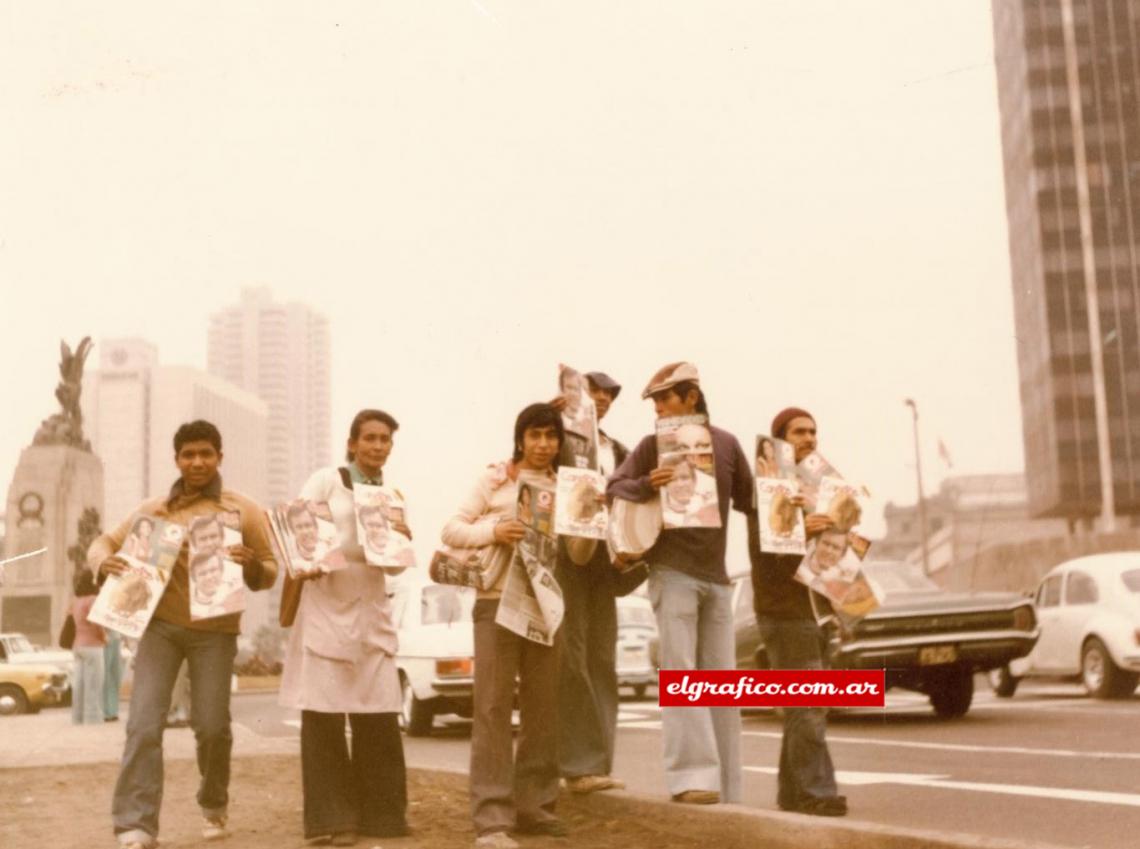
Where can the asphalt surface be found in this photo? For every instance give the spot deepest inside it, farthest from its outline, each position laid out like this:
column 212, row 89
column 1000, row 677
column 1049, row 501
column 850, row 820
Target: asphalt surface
column 1048, row 765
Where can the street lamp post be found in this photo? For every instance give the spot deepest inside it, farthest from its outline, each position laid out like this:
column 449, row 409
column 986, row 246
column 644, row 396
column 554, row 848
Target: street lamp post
column 921, row 498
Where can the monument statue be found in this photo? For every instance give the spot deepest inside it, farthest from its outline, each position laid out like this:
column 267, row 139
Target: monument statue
column 66, row 426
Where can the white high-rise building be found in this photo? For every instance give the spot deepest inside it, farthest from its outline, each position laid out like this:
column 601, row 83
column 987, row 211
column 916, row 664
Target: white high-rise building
column 281, row 353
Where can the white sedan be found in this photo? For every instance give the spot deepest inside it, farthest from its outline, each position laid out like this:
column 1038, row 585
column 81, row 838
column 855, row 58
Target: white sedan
column 1089, row 613
column 436, row 659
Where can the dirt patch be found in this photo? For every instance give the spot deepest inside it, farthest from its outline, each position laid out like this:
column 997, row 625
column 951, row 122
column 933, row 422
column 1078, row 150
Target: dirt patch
column 65, row 807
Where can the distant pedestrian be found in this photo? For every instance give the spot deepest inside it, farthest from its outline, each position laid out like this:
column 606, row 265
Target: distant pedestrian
column 112, row 675
column 87, row 679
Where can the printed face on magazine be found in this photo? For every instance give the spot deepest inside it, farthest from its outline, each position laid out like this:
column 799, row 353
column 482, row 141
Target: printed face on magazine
column 681, row 489
column 370, row 450
column 207, row 578
column 375, row 528
column 800, row 432
column 198, row 463
column 694, row 439
column 572, row 391
column 829, row 550
column 305, row 532
column 206, row 534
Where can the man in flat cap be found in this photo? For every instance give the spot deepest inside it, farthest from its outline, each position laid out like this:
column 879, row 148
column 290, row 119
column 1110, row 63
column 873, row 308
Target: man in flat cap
column 793, row 640
column 588, row 688
column 692, row 595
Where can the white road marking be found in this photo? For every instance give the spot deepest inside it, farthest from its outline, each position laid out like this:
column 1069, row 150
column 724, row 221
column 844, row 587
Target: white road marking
column 938, row 782
column 963, row 747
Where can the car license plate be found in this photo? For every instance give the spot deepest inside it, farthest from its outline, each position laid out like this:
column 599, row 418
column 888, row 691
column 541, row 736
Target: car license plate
column 935, row 655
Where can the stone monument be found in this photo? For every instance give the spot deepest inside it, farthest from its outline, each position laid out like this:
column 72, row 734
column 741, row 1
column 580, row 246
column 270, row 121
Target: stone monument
column 55, row 501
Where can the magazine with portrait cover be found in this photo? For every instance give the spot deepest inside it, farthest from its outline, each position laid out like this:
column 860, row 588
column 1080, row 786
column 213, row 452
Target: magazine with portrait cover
column 840, row 501
column 379, row 510
column 535, row 506
column 305, row 538
column 832, row 567
column 684, row 444
column 579, row 420
column 216, row 584
column 580, row 505
column 811, row 471
column 781, row 520
column 774, row 458
column 127, row 602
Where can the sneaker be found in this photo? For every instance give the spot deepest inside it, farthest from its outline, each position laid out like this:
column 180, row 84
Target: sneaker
column 214, row 828
column 593, row 783
column 549, row 828
column 345, row 838
column 496, row 840
column 697, row 797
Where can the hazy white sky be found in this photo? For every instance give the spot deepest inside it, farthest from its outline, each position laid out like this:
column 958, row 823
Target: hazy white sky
column 803, row 198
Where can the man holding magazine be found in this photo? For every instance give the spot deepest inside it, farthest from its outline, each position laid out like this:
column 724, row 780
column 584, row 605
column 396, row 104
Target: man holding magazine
column 690, row 589
column 208, row 645
column 793, row 640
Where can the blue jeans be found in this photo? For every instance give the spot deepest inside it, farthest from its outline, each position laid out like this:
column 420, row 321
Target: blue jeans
column 138, row 792
column 112, row 674
column 806, row 770
column 87, row 685
column 694, row 622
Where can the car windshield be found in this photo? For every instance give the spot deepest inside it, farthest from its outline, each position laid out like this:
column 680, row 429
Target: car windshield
column 900, row 578
column 1131, row 580
column 636, row 616
column 445, row 604
column 20, row 644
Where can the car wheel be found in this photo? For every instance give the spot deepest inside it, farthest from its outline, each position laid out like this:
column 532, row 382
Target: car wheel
column 1101, row 676
column 951, row 691
column 415, row 715
column 639, row 690
column 12, row 700
column 1002, row 681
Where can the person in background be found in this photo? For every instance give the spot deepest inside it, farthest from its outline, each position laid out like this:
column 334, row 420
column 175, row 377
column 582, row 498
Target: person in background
column 340, row 662
column 87, row 679
column 509, row 791
column 588, row 688
column 112, row 675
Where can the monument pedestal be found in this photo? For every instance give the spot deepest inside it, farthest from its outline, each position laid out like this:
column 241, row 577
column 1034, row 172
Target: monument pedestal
column 51, row 489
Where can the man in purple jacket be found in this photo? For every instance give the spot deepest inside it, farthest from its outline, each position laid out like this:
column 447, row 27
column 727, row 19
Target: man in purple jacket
column 692, row 595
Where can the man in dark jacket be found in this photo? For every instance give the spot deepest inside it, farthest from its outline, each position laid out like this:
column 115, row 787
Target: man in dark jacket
column 793, row 640
column 588, row 689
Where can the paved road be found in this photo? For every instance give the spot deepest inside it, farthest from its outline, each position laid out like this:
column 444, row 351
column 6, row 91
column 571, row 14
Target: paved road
column 1049, row 764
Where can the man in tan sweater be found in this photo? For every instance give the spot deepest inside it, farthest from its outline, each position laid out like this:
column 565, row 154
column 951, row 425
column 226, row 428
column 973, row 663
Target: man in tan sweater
column 207, row 645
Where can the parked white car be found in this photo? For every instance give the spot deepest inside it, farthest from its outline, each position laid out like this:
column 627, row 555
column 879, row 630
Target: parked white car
column 1089, row 613
column 636, row 628
column 436, row 659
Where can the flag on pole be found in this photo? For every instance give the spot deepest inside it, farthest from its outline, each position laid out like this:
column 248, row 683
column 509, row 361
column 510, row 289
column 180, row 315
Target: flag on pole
column 944, row 453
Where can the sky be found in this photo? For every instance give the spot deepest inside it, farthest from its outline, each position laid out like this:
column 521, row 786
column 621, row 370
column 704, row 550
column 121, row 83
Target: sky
column 804, row 198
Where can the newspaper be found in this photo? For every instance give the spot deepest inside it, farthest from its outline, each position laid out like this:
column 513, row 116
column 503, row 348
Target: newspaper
column 832, row 568
column 470, row 567
column 781, row 520
column 775, row 458
column 580, row 504
column 216, row 584
column 305, row 538
column 127, row 601
column 684, row 444
column 579, row 420
column 379, row 509
column 531, row 604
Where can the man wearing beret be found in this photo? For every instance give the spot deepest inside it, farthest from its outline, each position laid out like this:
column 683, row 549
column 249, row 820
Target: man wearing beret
column 692, row 595
column 588, row 688
column 793, row 640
